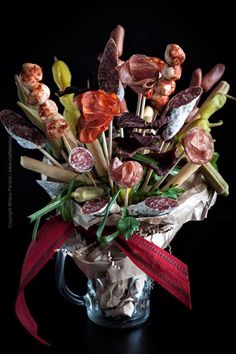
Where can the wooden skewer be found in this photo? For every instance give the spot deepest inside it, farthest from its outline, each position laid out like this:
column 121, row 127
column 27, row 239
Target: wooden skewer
column 54, row 161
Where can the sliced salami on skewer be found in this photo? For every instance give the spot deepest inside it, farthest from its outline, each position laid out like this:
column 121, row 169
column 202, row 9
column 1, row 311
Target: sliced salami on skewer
column 95, row 206
column 22, row 130
column 25, row 133
column 81, row 160
column 153, row 206
column 107, row 73
column 177, row 110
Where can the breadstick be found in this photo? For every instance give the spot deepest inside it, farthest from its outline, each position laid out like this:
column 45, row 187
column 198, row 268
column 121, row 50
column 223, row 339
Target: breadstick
column 54, row 172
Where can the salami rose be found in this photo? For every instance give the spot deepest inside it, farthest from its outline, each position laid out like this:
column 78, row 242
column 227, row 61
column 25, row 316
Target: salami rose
column 98, row 109
column 81, row 160
column 198, row 145
column 139, row 72
column 126, row 174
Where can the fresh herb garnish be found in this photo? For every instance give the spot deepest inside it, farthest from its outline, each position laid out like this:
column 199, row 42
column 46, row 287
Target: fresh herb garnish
column 126, row 226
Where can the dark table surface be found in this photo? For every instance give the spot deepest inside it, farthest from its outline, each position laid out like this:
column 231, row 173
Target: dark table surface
column 207, row 247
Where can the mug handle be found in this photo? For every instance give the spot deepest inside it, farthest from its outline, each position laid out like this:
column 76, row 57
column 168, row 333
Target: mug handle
column 60, row 280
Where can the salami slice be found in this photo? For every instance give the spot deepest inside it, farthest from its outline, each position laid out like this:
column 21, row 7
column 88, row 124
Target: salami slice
column 153, row 206
column 198, row 145
column 81, row 160
column 107, row 74
column 22, row 130
column 177, row 110
column 95, row 206
column 161, row 204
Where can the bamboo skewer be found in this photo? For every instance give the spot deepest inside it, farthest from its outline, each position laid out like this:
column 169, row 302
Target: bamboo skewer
column 110, row 140
column 138, row 107
column 54, row 161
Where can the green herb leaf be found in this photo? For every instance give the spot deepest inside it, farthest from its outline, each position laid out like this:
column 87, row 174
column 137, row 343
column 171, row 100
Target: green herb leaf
column 127, row 225
column 214, row 160
column 172, row 192
column 143, row 158
column 55, row 203
column 35, row 229
column 109, row 238
column 104, row 220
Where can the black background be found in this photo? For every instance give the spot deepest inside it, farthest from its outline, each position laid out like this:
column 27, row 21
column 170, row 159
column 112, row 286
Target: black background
column 34, row 34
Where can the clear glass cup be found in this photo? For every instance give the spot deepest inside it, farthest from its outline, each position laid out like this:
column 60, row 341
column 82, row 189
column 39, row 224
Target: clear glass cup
column 121, row 304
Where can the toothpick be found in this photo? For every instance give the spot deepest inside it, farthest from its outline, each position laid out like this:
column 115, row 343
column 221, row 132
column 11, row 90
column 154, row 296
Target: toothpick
column 139, row 104
column 105, row 149
column 104, row 143
column 142, row 106
column 91, row 178
column 110, row 140
column 126, row 198
column 64, row 155
column 50, row 158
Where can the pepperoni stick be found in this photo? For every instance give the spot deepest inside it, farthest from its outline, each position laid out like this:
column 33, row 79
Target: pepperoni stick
column 212, row 77
column 196, row 79
column 118, row 35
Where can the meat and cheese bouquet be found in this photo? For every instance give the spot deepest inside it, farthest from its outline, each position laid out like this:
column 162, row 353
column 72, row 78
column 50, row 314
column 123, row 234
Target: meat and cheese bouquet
column 121, row 183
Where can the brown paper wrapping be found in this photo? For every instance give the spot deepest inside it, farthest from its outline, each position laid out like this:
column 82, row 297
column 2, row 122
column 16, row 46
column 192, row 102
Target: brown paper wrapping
column 106, row 262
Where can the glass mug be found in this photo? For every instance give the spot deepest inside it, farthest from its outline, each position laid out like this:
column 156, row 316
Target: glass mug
column 121, row 304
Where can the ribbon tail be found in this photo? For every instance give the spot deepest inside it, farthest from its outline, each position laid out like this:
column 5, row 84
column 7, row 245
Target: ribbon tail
column 50, row 237
column 162, row 267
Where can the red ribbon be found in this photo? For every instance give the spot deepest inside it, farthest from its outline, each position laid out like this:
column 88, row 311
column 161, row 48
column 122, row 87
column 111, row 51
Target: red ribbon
column 165, row 269
column 162, row 267
column 51, row 236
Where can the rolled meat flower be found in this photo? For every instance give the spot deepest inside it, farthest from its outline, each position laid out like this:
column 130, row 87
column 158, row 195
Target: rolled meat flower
column 198, row 146
column 126, row 174
column 140, row 73
column 31, row 75
column 98, row 109
column 81, row 160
